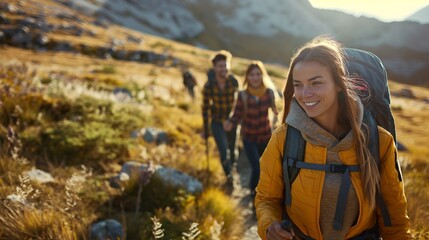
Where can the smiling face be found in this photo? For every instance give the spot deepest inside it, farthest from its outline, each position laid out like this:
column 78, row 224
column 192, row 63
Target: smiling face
column 315, row 91
column 254, row 77
column 221, row 69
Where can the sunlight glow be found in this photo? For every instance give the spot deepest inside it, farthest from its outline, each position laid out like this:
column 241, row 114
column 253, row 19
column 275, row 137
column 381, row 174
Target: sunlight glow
column 384, row 10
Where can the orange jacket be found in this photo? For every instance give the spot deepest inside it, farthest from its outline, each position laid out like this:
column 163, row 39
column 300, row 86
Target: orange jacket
column 307, row 190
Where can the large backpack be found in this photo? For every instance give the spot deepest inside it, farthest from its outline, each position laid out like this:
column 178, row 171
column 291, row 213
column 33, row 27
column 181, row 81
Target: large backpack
column 377, row 111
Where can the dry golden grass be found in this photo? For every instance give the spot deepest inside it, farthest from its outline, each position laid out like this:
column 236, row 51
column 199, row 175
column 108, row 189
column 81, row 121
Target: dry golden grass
column 413, row 132
column 217, row 206
column 20, row 222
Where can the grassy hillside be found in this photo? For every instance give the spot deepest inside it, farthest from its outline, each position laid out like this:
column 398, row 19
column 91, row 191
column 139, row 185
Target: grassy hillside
column 58, row 113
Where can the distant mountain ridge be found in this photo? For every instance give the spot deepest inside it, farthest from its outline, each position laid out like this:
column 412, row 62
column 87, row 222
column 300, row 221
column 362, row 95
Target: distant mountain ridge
column 421, row 16
column 270, row 30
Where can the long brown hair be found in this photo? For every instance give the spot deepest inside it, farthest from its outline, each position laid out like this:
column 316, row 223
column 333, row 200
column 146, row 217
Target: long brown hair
column 255, row 64
column 331, row 54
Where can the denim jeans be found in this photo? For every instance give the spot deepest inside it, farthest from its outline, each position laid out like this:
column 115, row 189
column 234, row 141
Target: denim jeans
column 225, row 142
column 254, row 151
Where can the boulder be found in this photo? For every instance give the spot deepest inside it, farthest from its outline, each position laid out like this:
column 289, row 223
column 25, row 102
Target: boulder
column 179, row 179
column 22, row 37
column 167, row 175
column 41, row 40
column 39, row 176
column 2, row 37
column 107, row 229
column 122, row 94
column 142, row 171
column 151, row 135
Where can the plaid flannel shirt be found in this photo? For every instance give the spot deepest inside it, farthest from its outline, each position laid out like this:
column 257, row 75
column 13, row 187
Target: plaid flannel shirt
column 217, row 103
column 255, row 124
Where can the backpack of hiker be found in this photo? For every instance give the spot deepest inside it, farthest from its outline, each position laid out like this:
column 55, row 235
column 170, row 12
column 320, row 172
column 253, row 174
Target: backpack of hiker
column 370, row 74
column 211, row 79
column 189, row 80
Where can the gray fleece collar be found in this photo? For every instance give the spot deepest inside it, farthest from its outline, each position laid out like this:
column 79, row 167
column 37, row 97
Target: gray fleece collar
column 315, row 134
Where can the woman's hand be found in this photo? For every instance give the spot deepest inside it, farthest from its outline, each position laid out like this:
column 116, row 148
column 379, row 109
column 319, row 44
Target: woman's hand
column 227, row 125
column 276, row 232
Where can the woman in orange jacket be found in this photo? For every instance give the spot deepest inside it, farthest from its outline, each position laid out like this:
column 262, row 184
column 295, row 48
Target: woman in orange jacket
column 320, row 101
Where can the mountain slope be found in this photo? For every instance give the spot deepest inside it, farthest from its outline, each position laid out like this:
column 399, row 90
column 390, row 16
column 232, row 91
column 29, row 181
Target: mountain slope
column 270, row 30
column 421, row 16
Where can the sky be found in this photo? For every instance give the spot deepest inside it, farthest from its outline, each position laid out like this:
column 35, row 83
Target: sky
column 384, row 10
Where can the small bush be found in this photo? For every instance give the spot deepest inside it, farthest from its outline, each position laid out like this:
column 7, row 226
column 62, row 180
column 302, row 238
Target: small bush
column 107, row 83
column 155, row 195
column 20, row 96
column 76, row 143
column 107, row 69
column 397, row 108
column 45, row 80
column 215, row 204
column 161, row 45
column 184, row 106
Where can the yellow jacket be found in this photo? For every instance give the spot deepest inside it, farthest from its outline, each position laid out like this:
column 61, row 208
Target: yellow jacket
column 307, row 188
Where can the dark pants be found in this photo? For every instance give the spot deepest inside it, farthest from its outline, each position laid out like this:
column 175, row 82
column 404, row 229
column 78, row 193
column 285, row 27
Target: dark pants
column 254, row 151
column 191, row 91
column 225, row 142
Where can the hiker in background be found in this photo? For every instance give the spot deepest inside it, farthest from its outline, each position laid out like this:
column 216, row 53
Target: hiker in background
column 219, row 94
column 251, row 112
column 189, row 82
column 338, row 171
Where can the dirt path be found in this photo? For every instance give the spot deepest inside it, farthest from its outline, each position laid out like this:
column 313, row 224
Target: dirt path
column 241, row 194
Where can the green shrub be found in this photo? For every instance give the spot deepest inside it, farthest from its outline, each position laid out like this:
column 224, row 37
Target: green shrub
column 155, row 195
column 107, row 69
column 45, row 80
column 87, row 129
column 129, row 118
column 87, row 143
column 56, row 110
column 175, row 208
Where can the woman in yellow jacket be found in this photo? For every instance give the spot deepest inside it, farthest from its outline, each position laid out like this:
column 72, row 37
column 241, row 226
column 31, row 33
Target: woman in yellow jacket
column 320, row 102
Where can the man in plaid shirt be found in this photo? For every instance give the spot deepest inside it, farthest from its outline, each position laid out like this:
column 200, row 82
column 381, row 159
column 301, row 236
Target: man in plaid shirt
column 219, row 94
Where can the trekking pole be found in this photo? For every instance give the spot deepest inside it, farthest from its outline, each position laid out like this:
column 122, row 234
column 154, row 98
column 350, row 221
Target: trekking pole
column 207, row 158
column 287, row 225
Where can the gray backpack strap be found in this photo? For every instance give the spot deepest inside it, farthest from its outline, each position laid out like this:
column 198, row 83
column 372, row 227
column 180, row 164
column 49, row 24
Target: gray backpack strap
column 373, row 148
column 243, row 95
column 294, row 149
column 271, row 92
column 344, row 187
column 342, row 200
